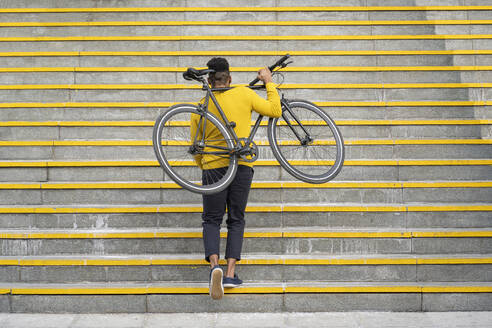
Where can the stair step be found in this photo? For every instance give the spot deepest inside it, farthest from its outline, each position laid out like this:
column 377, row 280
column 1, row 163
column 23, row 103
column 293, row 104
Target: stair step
column 381, row 41
column 184, row 95
column 453, row 172
column 261, row 267
column 84, row 150
column 250, row 288
column 250, row 260
column 278, row 241
column 390, row 192
column 307, row 232
column 343, row 216
column 189, row 93
column 253, row 207
column 318, row 75
column 148, row 171
column 267, row 297
column 463, row 129
column 257, row 59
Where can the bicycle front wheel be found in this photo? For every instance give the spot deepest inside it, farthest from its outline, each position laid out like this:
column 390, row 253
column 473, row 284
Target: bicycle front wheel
column 306, row 142
column 178, row 144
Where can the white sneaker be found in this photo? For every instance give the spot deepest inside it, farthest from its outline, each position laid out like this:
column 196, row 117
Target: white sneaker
column 216, row 288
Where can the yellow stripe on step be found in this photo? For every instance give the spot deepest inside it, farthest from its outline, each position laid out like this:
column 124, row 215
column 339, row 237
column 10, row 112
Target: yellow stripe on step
column 245, row 9
column 367, row 142
column 249, row 38
column 100, row 290
column 250, row 209
column 278, row 289
column 136, row 163
column 246, row 53
column 247, row 69
column 284, row 86
column 363, row 104
column 47, row 261
column 353, row 289
column 252, row 23
column 249, row 234
column 255, row 185
column 264, row 123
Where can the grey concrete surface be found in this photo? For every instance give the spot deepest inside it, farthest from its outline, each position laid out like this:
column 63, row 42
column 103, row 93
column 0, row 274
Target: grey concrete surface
column 241, row 77
column 145, row 133
column 150, row 113
column 446, row 247
column 361, row 246
column 333, row 220
column 256, row 61
column 264, row 173
column 77, row 274
column 79, row 303
column 220, row 319
column 353, row 152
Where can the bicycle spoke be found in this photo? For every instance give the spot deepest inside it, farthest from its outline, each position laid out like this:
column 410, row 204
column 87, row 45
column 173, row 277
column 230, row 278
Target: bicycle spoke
column 307, row 143
column 178, row 144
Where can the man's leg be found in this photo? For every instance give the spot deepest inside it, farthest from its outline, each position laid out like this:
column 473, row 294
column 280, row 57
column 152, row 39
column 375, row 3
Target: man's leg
column 214, row 207
column 214, row 260
column 231, row 267
column 237, row 199
column 213, row 213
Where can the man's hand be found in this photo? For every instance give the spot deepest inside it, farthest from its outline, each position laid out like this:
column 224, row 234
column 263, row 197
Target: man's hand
column 265, row 75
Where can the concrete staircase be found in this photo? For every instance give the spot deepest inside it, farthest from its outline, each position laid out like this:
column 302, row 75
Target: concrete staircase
column 89, row 222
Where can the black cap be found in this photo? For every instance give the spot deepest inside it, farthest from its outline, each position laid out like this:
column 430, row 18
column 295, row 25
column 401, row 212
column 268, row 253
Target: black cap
column 218, row 64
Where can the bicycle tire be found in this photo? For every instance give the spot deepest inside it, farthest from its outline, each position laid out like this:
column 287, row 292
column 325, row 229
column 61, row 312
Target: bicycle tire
column 314, row 161
column 172, row 146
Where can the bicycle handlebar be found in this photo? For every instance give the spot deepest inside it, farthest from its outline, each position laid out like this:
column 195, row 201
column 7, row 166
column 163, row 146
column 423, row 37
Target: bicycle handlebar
column 279, row 63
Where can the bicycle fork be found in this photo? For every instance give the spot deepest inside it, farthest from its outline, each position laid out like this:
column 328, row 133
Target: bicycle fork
column 286, row 109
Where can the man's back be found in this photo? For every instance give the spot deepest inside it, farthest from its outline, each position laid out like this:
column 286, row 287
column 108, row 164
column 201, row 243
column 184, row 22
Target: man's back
column 237, row 104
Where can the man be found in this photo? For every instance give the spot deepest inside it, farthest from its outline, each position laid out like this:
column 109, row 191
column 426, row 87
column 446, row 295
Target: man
column 238, row 104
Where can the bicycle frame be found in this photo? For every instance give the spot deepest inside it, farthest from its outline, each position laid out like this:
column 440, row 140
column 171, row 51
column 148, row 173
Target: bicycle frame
column 243, row 148
column 239, row 149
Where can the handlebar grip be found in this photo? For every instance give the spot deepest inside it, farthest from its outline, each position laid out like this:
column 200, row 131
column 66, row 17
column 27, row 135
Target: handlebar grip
column 271, row 68
column 279, row 62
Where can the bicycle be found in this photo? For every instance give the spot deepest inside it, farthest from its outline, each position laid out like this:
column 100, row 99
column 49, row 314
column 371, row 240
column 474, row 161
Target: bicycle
column 304, row 140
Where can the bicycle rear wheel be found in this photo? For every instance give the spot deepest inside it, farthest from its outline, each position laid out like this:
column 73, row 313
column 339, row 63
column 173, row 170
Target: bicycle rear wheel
column 176, row 145
column 306, row 142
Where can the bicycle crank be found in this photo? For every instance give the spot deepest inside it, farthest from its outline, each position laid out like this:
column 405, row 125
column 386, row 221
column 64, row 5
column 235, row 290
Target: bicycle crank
column 247, row 152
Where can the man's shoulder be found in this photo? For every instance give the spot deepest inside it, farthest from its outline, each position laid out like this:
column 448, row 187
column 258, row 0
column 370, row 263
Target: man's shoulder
column 241, row 90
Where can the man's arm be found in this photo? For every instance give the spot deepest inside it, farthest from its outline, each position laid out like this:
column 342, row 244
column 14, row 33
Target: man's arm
column 271, row 106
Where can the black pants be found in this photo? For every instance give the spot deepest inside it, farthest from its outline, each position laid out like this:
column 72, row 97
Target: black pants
column 235, row 198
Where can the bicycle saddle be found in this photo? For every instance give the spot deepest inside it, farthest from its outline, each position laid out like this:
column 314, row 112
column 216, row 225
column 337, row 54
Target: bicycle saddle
column 194, row 74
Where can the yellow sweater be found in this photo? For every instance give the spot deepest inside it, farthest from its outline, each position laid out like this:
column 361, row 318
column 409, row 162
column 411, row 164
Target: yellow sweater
column 238, row 104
